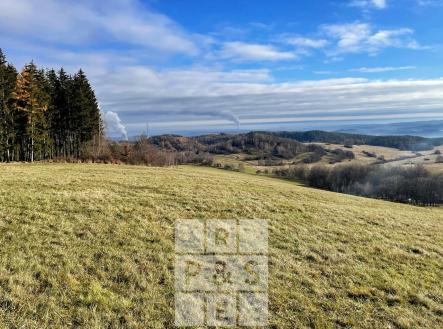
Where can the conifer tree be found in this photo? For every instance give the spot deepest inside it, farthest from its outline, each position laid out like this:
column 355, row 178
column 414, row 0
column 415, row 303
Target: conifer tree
column 59, row 111
column 64, row 105
column 52, row 112
column 31, row 103
column 44, row 114
column 85, row 111
column 8, row 76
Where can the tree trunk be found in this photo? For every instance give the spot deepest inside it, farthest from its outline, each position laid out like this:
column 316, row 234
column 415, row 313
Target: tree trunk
column 32, row 140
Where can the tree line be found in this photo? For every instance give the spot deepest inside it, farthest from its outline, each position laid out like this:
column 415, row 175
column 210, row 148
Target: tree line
column 414, row 185
column 46, row 114
column 410, row 143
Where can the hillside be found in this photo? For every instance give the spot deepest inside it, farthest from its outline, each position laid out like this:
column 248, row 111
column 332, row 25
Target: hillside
column 263, row 145
column 266, row 141
column 405, row 143
column 92, row 246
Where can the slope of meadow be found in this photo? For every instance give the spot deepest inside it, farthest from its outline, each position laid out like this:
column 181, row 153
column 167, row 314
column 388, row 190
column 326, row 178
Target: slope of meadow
column 92, row 246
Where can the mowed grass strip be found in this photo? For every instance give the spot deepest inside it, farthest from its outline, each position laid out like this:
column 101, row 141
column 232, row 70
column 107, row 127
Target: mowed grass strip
column 92, row 246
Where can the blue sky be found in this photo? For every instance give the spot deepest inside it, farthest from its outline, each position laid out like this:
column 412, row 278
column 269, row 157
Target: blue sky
column 198, row 65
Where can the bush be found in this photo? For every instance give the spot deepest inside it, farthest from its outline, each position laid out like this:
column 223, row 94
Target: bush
column 318, row 177
column 340, row 155
column 314, row 157
column 348, row 144
column 370, row 154
column 294, row 173
column 229, row 166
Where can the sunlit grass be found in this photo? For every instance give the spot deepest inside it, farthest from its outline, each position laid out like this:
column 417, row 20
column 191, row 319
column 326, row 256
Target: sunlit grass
column 91, row 246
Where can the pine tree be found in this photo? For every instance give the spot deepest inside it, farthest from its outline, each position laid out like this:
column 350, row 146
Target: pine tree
column 43, row 139
column 85, row 112
column 8, row 76
column 46, row 114
column 31, row 103
column 52, row 112
column 58, row 110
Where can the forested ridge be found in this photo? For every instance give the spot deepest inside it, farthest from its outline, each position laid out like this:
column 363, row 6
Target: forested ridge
column 265, row 145
column 46, row 114
column 411, row 143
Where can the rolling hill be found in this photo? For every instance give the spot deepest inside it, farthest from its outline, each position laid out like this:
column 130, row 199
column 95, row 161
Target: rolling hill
column 262, row 140
column 404, row 142
column 92, row 246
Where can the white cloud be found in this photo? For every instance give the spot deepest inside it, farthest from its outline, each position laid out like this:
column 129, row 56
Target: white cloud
column 379, row 4
column 382, row 69
column 361, row 37
column 195, row 98
column 325, row 72
column 241, row 51
column 132, row 91
column 368, row 70
column 389, row 38
column 200, row 97
column 87, row 22
column 308, row 43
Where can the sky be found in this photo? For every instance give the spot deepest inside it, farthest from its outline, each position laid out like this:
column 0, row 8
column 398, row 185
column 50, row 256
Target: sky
column 209, row 66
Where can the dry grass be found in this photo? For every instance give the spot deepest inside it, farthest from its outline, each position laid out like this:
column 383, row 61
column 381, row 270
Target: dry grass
column 394, row 156
column 426, row 158
column 91, row 246
column 387, row 152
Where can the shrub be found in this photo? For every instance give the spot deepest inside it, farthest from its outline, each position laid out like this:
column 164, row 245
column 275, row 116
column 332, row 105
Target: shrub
column 340, row 155
column 370, row 154
column 348, row 144
column 314, row 157
column 295, row 173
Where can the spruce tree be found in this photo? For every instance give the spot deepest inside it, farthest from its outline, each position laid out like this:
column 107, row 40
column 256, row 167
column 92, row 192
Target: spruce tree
column 8, row 76
column 64, row 105
column 85, row 112
column 52, row 112
column 45, row 114
column 59, row 111
column 42, row 136
column 31, row 103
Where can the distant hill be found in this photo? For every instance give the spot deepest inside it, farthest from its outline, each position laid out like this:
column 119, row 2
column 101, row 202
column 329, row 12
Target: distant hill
column 263, row 144
column 410, row 143
column 285, row 144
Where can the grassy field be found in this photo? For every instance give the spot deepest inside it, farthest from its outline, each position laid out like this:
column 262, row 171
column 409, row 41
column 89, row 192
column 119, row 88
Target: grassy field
column 394, row 157
column 91, row 246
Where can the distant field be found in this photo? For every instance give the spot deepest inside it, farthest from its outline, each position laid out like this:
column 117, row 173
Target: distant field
column 91, row 246
column 387, row 152
column 394, row 157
